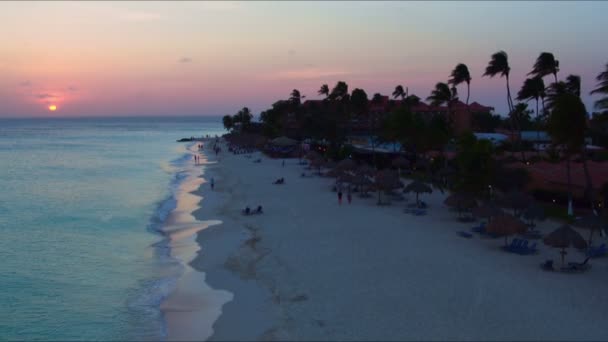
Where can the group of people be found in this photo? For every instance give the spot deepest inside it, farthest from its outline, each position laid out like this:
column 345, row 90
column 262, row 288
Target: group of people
column 349, row 195
column 200, row 146
column 248, row 211
column 197, row 159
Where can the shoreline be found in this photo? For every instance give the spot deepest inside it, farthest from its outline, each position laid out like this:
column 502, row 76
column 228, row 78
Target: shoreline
column 310, row 269
column 192, row 306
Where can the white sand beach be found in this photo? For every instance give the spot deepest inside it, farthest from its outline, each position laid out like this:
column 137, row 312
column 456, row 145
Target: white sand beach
column 310, row 269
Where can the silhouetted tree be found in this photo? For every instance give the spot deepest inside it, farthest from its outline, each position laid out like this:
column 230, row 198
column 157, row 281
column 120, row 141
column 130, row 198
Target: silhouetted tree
column 459, row 75
column 602, row 89
column 545, row 64
column 499, row 64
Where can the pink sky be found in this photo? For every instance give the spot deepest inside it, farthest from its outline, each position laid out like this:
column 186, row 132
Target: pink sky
column 198, row 58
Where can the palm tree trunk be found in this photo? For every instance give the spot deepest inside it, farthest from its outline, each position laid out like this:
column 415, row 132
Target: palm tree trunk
column 537, row 130
column 509, row 99
column 569, row 178
column 555, row 75
column 588, row 181
column 468, row 92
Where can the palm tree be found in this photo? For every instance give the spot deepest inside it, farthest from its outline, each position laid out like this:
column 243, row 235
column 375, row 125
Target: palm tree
column 533, row 88
column 295, row 97
column 573, row 84
column 324, row 90
column 499, row 64
column 566, row 126
column 339, row 92
column 545, row 64
column 399, row 92
column 602, row 88
column 459, row 75
column 443, row 94
column 519, row 114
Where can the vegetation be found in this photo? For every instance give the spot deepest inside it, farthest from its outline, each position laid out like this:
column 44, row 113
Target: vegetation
column 557, row 108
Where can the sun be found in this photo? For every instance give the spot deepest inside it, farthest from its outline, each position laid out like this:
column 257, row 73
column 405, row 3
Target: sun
column 52, row 108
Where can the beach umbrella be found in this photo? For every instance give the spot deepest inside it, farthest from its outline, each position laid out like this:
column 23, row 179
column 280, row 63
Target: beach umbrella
column 283, row 141
column 346, row 165
column 418, row 187
column 564, row 237
column 506, row 225
column 487, row 210
column 592, row 222
column 461, row 201
column 365, row 170
column 386, row 180
column 516, row 200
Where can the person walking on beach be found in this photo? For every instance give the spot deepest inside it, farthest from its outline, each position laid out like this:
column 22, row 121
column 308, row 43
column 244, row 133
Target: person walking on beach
column 339, row 196
column 212, row 183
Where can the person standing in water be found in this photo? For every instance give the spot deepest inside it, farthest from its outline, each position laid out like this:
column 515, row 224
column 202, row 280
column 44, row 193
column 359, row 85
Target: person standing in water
column 339, row 196
column 212, row 183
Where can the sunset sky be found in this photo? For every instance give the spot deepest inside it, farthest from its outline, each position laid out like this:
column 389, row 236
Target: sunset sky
column 212, row 58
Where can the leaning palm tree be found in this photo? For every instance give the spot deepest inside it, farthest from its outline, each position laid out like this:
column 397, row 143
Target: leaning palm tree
column 573, row 84
column 459, row 75
column 399, row 92
column 533, row 88
column 324, row 90
column 295, row 97
column 443, row 94
column 545, row 64
column 567, row 125
column 602, row 88
column 499, row 64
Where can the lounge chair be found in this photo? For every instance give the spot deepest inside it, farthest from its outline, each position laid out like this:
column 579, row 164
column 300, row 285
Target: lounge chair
column 259, row 210
column 246, row 211
column 419, row 212
column 465, row 234
column 547, row 265
column 481, row 228
column 595, row 252
column 577, row 266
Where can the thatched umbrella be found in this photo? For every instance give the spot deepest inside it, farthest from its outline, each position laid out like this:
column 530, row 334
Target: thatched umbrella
column 386, row 180
column 460, row 200
column 418, row 187
column 487, row 210
column 365, row 170
column 534, row 212
column 283, row 141
column 401, row 163
column 363, row 183
column 563, row 238
column 516, row 200
column 346, row 165
column 506, row 225
column 591, row 222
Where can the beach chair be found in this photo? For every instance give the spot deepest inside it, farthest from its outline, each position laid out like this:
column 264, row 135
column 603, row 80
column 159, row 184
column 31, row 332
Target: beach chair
column 481, row 228
column 577, row 266
column 465, row 234
column 595, row 252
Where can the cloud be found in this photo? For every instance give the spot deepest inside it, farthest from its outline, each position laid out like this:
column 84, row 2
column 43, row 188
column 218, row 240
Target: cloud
column 43, row 96
column 308, row 73
column 185, row 60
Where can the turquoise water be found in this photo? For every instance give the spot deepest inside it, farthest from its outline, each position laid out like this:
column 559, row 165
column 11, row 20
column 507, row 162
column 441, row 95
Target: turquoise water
column 79, row 202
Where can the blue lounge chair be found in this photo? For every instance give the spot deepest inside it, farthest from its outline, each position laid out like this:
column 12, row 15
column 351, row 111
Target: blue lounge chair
column 595, row 252
column 465, row 234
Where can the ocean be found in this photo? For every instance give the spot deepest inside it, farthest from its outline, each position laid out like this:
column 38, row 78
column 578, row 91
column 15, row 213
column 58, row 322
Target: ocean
column 81, row 202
